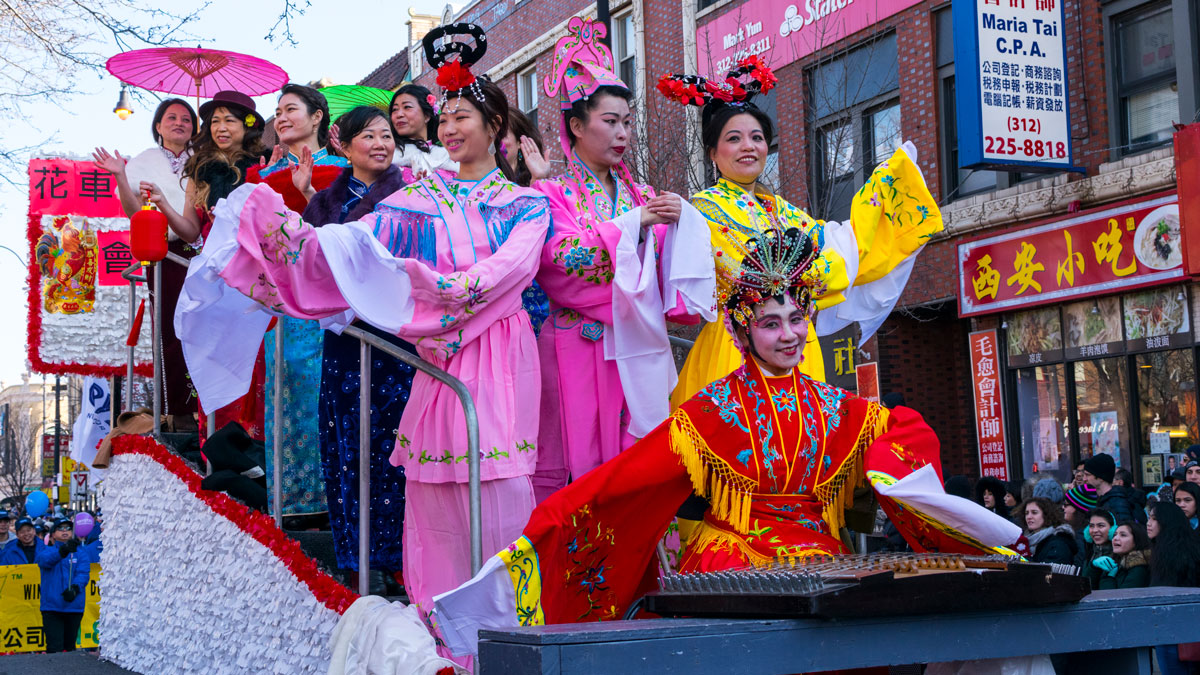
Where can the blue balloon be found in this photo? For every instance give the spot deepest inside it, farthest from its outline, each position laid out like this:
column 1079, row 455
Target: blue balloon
column 36, row 504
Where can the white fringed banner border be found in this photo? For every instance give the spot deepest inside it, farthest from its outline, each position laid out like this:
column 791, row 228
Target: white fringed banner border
column 195, row 582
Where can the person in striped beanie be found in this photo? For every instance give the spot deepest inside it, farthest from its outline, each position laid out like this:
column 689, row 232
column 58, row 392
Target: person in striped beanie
column 1077, row 503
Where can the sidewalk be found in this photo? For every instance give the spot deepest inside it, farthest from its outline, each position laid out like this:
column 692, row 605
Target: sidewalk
column 67, row 663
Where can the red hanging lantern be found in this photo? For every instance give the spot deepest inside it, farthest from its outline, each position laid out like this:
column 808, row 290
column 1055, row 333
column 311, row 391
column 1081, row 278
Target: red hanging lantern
column 148, row 235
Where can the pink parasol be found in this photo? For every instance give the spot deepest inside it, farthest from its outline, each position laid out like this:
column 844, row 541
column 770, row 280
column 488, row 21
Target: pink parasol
column 195, row 71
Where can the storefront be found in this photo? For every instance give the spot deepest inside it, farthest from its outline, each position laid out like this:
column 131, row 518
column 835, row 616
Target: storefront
column 1095, row 338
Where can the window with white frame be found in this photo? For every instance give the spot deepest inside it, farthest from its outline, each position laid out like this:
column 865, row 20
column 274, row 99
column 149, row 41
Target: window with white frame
column 625, row 49
column 527, row 93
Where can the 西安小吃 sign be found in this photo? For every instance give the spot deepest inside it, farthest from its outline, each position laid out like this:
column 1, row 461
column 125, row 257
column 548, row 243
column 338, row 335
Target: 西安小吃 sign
column 1011, row 86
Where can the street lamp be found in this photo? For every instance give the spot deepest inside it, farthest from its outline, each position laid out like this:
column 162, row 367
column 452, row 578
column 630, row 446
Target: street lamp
column 124, row 106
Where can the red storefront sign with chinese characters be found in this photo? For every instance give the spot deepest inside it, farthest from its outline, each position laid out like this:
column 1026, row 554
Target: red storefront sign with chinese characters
column 1131, row 244
column 989, row 406
column 67, row 186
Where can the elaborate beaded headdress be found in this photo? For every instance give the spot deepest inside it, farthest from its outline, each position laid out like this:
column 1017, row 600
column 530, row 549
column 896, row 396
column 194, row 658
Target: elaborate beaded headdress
column 777, row 262
column 750, row 77
column 452, row 59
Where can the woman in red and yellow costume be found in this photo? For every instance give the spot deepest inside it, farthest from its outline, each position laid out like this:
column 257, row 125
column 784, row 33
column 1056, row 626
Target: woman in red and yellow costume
column 776, row 454
column 864, row 261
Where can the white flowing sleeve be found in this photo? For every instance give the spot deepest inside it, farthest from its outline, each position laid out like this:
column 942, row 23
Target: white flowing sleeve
column 638, row 340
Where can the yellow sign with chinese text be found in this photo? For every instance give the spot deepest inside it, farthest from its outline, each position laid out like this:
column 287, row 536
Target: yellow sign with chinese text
column 21, row 614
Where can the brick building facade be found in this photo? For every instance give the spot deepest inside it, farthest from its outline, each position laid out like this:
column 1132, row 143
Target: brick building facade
column 844, row 101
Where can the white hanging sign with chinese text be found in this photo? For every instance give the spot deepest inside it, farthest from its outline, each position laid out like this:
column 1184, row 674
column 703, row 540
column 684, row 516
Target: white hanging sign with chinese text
column 1012, row 99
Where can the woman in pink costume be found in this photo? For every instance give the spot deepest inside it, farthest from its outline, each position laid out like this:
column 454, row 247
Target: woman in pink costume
column 620, row 261
column 442, row 263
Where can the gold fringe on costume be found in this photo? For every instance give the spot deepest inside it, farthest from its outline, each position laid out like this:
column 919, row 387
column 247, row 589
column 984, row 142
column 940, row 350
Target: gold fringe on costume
column 708, row 537
column 833, row 493
column 713, row 478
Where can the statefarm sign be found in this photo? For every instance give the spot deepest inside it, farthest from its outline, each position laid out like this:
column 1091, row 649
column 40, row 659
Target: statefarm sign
column 783, row 31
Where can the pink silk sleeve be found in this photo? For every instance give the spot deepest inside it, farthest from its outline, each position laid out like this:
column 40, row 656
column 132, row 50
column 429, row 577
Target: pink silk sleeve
column 486, row 291
column 279, row 262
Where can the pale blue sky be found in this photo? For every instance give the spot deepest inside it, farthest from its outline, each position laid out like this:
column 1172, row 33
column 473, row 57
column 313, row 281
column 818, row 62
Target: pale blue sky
column 343, row 41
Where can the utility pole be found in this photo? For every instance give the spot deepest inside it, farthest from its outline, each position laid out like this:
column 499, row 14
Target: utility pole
column 57, row 426
column 602, row 15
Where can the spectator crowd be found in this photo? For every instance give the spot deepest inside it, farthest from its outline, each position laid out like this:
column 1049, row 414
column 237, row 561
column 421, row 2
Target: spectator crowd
column 1111, row 531
column 64, row 561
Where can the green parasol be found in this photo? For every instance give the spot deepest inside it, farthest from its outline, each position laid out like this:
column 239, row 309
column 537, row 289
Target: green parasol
column 343, row 97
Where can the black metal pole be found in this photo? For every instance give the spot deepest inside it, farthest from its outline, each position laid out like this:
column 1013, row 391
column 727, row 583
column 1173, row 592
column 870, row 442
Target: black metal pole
column 57, row 426
column 8, row 465
column 602, row 15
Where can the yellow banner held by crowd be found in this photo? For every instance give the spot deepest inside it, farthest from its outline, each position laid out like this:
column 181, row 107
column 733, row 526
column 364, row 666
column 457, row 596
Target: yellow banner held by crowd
column 21, row 614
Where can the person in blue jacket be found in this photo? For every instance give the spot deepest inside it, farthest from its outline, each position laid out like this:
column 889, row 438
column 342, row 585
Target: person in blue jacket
column 65, row 571
column 24, row 549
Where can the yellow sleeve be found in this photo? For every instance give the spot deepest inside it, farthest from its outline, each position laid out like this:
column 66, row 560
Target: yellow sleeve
column 893, row 215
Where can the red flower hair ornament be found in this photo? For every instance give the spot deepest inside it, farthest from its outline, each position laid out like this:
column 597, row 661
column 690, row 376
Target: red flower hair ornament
column 740, row 85
column 453, row 76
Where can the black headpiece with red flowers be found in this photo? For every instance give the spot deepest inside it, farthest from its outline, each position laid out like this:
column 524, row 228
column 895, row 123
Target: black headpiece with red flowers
column 749, row 78
column 452, row 58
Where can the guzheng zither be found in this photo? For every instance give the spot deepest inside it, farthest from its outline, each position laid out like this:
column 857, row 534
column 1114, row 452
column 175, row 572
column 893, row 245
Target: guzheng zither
column 867, row 585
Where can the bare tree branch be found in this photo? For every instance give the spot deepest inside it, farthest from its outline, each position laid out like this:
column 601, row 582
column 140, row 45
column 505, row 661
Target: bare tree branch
column 46, row 46
column 291, row 8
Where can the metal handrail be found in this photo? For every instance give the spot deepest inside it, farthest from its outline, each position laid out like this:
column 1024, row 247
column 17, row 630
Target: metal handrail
column 683, row 343
column 277, row 427
column 367, row 341
column 133, row 279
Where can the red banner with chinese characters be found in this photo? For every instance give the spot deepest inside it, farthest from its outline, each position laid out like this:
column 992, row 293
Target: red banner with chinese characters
column 867, row 377
column 1128, row 245
column 115, row 257
column 67, row 186
column 78, row 306
column 989, row 406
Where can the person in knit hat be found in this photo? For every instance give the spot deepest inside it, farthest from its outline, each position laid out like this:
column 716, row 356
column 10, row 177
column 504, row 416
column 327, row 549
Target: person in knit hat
column 1191, row 472
column 1077, row 504
column 1098, row 472
column 1049, row 489
column 1082, row 497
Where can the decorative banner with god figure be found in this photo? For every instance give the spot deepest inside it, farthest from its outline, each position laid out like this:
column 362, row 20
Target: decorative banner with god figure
column 66, row 257
column 78, row 246
column 1131, row 244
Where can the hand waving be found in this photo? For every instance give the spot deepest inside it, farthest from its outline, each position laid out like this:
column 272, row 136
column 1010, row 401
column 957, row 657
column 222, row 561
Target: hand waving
column 302, row 173
column 539, row 166
column 114, row 163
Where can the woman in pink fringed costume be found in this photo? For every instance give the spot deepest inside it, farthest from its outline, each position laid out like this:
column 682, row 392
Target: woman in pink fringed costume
column 620, row 261
column 441, row 263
